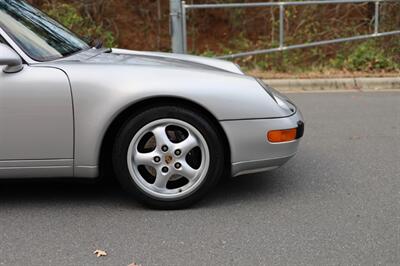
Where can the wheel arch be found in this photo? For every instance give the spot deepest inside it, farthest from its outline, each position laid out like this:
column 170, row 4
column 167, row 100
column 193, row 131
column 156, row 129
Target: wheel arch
column 113, row 128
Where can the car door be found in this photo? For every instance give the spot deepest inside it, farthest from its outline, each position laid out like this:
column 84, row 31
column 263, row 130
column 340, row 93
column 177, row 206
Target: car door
column 36, row 123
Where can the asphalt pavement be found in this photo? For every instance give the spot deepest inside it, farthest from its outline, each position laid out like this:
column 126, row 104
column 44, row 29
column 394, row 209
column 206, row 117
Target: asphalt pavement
column 336, row 203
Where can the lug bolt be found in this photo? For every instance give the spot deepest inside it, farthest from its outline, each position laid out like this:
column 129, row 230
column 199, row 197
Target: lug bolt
column 178, row 165
column 178, row 152
column 157, row 159
column 164, row 148
column 165, row 169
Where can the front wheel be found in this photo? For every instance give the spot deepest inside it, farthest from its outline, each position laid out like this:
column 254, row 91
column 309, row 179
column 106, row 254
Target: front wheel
column 168, row 157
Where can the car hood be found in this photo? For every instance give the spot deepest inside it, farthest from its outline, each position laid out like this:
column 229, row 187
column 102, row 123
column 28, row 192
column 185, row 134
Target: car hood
column 120, row 78
column 127, row 57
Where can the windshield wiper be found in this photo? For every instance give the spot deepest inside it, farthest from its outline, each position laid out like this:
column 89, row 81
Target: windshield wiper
column 98, row 44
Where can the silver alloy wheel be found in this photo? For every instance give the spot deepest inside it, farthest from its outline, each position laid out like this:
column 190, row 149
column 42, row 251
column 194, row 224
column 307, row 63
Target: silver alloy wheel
column 168, row 151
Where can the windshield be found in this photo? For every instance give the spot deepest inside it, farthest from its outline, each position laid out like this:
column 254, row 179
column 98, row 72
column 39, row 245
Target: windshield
column 42, row 38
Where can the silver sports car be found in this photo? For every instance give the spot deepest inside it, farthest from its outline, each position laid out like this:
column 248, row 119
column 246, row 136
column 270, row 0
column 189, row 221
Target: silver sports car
column 169, row 126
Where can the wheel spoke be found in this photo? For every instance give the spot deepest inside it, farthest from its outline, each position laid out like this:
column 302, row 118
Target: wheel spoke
column 147, row 159
column 188, row 172
column 162, row 180
column 188, row 144
column 161, row 136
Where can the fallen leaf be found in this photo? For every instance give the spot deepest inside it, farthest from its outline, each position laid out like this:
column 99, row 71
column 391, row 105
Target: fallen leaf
column 134, row 264
column 100, row 253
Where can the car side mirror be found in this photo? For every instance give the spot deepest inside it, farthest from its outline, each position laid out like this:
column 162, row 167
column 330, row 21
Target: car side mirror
column 10, row 59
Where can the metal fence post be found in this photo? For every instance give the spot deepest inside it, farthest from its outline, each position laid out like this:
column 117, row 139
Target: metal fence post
column 184, row 28
column 281, row 25
column 376, row 17
column 177, row 38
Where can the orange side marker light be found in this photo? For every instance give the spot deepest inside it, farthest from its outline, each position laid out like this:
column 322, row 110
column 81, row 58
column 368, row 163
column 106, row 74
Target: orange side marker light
column 285, row 135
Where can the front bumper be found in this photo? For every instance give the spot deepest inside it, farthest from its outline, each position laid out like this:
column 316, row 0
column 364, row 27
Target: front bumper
column 251, row 152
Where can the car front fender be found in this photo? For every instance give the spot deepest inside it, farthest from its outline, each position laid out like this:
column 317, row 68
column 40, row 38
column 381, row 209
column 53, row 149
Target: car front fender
column 102, row 92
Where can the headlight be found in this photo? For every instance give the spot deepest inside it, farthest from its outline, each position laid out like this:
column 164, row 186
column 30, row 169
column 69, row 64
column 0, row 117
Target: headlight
column 282, row 100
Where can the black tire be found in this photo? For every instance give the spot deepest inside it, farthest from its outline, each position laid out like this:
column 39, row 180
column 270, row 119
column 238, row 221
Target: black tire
column 196, row 119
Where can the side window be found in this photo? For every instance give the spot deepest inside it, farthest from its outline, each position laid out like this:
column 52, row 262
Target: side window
column 2, row 40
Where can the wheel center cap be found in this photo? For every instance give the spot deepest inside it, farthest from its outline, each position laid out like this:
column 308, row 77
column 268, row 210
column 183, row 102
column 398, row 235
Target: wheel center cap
column 169, row 159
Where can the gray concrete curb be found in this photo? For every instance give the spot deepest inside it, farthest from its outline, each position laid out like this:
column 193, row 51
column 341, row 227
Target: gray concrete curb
column 339, row 84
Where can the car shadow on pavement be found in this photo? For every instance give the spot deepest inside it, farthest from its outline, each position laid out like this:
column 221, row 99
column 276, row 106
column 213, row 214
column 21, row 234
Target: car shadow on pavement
column 243, row 189
column 63, row 191
column 17, row 193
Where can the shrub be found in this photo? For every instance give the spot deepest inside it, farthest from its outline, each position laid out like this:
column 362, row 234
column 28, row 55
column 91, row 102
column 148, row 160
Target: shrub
column 368, row 56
